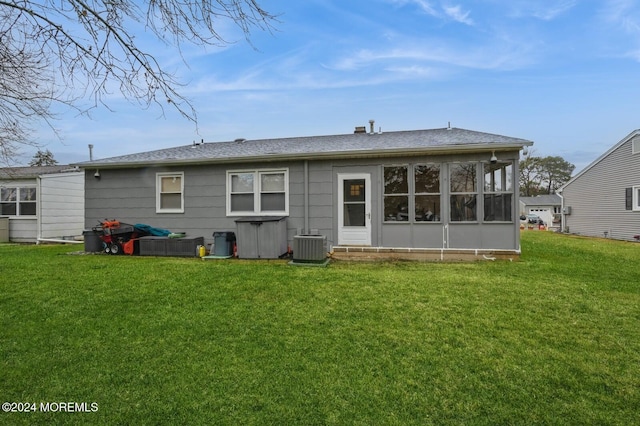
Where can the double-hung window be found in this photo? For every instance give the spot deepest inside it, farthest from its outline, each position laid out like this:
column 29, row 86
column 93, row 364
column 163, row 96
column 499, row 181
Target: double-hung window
column 498, row 192
column 170, row 192
column 633, row 198
column 464, row 192
column 258, row 192
column 18, row 201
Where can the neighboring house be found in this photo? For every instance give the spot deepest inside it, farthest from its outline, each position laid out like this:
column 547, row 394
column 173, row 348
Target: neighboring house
column 546, row 207
column 42, row 203
column 603, row 200
column 441, row 193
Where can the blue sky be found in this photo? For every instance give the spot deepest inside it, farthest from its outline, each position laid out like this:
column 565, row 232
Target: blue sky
column 562, row 73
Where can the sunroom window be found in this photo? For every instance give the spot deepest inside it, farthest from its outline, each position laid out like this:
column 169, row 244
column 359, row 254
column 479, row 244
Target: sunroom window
column 464, row 192
column 427, row 192
column 258, row 192
column 396, row 194
column 498, row 192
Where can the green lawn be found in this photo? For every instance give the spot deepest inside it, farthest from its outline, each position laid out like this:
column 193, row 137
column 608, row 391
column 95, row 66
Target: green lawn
column 551, row 339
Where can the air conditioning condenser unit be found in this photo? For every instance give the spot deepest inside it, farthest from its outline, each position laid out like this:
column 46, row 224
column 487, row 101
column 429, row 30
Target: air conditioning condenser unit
column 309, row 248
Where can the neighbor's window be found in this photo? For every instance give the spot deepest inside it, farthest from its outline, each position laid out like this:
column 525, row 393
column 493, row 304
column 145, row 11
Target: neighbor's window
column 498, row 192
column 260, row 192
column 463, row 186
column 636, row 198
column 170, row 192
column 427, row 192
column 20, row 201
column 396, row 194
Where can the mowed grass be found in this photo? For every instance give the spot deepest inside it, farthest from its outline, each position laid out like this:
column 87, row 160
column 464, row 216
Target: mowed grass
column 551, row 339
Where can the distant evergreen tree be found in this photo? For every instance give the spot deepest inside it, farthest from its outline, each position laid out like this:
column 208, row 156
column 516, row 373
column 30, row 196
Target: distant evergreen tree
column 543, row 175
column 43, row 158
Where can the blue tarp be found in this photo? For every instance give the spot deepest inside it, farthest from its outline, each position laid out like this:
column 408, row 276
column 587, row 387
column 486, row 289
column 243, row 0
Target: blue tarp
column 150, row 230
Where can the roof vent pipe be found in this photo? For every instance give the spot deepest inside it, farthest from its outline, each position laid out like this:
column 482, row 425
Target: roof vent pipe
column 371, row 124
column 90, row 152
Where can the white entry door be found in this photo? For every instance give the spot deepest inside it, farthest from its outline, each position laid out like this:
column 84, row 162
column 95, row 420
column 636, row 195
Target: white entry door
column 354, row 209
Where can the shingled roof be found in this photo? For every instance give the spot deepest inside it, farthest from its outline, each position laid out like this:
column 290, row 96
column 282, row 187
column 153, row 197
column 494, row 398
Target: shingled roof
column 542, row 200
column 32, row 172
column 356, row 145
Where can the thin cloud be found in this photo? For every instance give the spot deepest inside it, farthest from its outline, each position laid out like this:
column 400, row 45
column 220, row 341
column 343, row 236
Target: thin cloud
column 457, row 14
column 440, row 11
column 507, row 57
column 414, row 71
column 620, row 23
column 424, row 5
column 543, row 10
column 621, row 14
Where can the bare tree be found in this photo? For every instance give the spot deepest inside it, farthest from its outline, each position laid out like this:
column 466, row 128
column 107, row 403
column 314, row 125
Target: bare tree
column 25, row 91
column 530, row 178
column 63, row 51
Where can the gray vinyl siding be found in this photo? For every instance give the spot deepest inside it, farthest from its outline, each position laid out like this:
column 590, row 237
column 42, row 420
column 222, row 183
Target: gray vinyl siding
column 129, row 195
column 61, row 205
column 597, row 197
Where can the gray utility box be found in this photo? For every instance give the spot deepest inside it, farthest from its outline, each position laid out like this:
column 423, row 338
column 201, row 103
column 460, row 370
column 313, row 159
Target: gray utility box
column 4, row 229
column 261, row 237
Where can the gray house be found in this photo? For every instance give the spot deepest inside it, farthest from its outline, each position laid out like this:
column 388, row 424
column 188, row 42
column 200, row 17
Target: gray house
column 426, row 194
column 42, row 203
column 603, row 200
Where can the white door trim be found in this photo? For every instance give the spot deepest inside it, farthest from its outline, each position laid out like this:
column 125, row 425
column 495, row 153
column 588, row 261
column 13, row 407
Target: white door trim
column 348, row 234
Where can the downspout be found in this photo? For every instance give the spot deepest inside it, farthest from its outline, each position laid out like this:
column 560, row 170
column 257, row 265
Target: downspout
column 58, row 241
column 306, row 197
column 38, row 209
column 562, row 215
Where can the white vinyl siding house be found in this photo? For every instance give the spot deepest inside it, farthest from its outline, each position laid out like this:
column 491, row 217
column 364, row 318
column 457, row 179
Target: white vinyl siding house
column 602, row 199
column 547, row 207
column 42, row 203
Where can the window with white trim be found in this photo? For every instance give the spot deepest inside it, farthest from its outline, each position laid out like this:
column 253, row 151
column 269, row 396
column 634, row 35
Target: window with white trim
column 170, row 192
column 262, row 192
column 498, row 192
column 18, row 201
column 636, row 198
